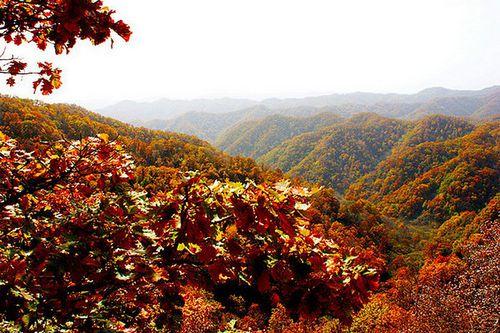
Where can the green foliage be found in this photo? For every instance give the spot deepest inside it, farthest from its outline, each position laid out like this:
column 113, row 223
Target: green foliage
column 255, row 138
column 337, row 155
column 431, row 182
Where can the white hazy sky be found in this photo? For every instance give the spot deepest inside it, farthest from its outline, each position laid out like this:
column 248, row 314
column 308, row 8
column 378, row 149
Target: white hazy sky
column 282, row 48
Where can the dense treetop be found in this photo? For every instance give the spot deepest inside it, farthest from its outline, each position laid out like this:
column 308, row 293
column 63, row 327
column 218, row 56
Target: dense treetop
column 82, row 249
column 433, row 181
column 436, row 128
column 337, row 155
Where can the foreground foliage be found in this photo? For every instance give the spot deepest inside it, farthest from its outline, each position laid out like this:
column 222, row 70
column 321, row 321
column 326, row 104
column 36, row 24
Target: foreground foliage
column 455, row 293
column 81, row 249
column 61, row 23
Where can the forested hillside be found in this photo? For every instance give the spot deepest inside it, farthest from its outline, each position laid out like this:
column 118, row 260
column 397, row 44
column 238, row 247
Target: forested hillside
column 212, row 126
column 207, row 125
column 30, row 121
column 337, row 155
column 450, row 106
column 255, row 138
column 435, row 128
column 490, row 110
column 166, row 109
column 432, row 182
column 137, row 112
column 137, row 234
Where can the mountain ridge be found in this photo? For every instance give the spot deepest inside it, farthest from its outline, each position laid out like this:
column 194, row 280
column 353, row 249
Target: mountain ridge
column 365, row 98
column 208, row 119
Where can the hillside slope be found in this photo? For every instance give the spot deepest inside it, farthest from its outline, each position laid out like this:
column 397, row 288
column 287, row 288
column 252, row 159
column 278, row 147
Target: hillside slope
column 210, row 126
column 137, row 112
column 432, row 181
column 462, row 106
column 436, row 128
column 30, row 121
column 339, row 154
column 207, row 118
column 255, row 138
column 350, row 150
column 482, row 105
column 336, row 155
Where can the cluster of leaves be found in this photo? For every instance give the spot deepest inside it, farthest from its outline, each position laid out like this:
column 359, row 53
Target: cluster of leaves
column 66, row 245
column 81, row 249
column 55, row 22
column 269, row 252
column 202, row 314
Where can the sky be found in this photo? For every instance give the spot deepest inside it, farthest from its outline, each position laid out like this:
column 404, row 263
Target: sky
column 185, row 49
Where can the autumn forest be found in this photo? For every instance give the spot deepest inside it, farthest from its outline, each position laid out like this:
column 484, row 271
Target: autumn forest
column 342, row 213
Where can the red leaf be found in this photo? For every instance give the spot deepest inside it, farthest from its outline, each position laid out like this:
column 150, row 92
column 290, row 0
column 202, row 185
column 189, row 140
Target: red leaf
column 264, row 282
column 123, row 30
column 11, row 81
column 286, row 225
column 244, row 214
column 18, row 40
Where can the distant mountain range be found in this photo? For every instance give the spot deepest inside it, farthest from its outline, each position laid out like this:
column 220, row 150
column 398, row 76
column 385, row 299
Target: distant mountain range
column 209, row 118
column 130, row 111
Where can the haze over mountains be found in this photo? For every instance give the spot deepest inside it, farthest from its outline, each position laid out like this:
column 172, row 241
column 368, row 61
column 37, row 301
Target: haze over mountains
column 208, row 118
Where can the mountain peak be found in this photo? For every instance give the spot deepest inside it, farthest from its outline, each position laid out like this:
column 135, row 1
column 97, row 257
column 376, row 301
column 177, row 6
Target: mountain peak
column 434, row 91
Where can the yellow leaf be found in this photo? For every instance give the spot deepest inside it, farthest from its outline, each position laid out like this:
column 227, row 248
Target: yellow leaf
column 104, row 137
column 231, row 231
column 304, row 232
column 282, row 186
